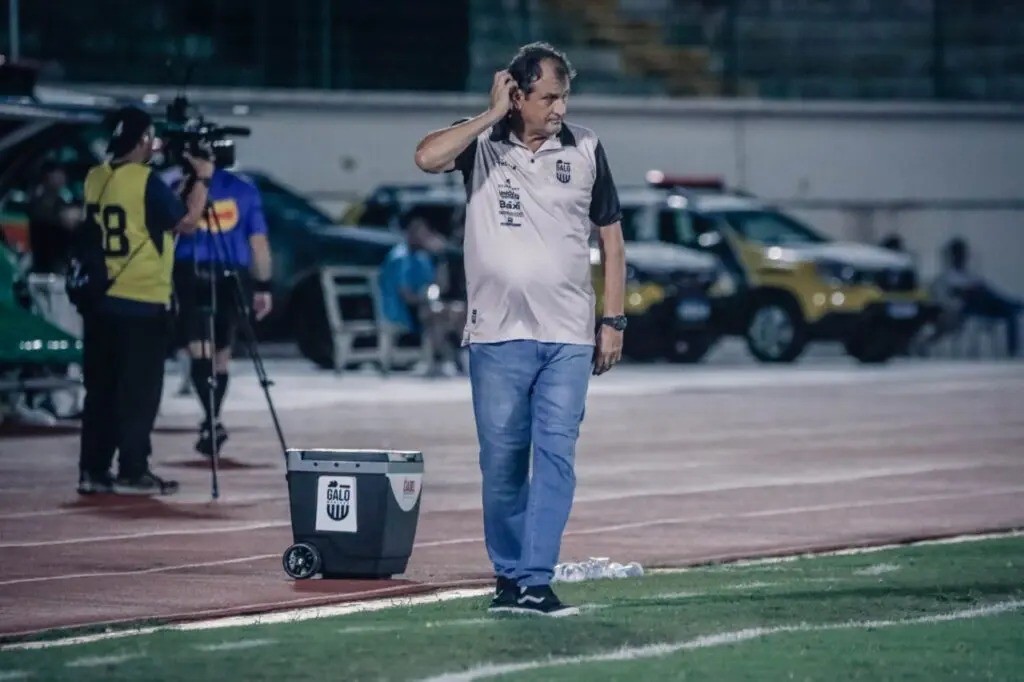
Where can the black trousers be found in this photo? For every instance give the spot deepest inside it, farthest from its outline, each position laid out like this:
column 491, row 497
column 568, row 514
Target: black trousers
column 123, row 369
column 192, row 290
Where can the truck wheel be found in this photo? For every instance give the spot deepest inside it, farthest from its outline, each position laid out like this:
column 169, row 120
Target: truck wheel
column 776, row 331
column 874, row 348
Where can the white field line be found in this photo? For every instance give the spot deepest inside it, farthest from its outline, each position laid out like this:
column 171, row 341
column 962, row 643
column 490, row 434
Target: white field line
column 460, row 622
column 877, row 569
column 364, row 629
column 7, row 675
column 739, row 587
column 236, row 646
column 853, row 551
column 317, row 612
column 719, row 639
column 95, row 661
column 290, row 616
column 585, row 531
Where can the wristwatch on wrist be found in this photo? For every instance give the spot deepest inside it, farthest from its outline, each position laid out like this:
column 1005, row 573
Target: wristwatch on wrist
column 617, row 322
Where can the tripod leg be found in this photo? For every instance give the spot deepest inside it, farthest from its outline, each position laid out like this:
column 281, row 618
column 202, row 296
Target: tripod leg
column 208, row 350
column 252, row 346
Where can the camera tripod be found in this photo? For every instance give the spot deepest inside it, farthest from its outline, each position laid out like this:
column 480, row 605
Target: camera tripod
column 221, row 266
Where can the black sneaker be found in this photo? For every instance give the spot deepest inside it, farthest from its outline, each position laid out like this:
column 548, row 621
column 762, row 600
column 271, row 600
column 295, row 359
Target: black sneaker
column 505, row 593
column 204, row 445
column 541, row 601
column 91, row 484
column 146, row 484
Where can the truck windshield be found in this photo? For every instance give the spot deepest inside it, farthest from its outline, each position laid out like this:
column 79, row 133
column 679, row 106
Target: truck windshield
column 769, row 227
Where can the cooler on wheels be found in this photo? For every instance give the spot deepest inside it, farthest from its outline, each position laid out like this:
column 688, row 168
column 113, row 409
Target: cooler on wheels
column 354, row 512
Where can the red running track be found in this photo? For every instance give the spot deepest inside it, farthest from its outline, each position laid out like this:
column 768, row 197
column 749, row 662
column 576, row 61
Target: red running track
column 667, row 480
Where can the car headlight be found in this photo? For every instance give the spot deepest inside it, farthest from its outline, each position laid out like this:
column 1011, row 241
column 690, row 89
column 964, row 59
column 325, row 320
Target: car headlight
column 837, row 273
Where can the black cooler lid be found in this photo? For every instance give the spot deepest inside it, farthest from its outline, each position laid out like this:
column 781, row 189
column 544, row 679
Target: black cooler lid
column 341, row 455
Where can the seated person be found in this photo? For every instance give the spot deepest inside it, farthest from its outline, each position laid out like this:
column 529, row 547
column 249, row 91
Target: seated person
column 411, row 280
column 963, row 294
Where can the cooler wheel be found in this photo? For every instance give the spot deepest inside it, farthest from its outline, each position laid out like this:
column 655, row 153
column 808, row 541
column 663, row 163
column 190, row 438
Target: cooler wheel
column 301, row 561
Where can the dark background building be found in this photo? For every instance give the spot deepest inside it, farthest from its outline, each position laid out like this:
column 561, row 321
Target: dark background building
column 969, row 50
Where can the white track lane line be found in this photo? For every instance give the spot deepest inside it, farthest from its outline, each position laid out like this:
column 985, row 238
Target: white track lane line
column 211, row 530
column 140, row 571
column 178, row 500
column 766, row 513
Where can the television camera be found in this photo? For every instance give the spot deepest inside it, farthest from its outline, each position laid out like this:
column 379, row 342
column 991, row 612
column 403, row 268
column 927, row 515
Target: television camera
column 186, row 130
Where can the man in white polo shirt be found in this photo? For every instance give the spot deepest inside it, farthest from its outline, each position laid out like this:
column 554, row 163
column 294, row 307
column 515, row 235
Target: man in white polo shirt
column 536, row 189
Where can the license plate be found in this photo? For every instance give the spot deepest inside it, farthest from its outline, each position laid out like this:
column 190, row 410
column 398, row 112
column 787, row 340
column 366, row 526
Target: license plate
column 693, row 310
column 902, row 311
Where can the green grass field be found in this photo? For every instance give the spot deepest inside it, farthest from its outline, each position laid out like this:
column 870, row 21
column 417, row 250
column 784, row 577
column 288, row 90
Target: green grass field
column 927, row 612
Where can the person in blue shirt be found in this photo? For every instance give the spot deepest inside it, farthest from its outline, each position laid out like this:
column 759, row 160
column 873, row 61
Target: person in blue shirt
column 231, row 242
column 412, row 279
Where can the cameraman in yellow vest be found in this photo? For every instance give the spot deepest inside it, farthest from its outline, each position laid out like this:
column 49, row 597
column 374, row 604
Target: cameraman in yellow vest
column 126, row 336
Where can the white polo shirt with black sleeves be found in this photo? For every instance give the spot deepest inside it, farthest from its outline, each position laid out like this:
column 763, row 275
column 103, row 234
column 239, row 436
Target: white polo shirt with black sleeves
column 529, row 218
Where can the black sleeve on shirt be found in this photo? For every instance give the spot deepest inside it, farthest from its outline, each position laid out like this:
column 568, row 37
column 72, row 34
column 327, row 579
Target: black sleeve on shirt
column 604, row 198
column 464, row 161
column 164, row 210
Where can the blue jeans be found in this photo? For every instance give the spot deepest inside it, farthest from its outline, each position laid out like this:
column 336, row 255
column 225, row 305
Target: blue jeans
column 528, row 392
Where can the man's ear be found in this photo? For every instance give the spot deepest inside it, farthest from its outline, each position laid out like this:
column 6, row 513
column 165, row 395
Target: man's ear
column 517, row 97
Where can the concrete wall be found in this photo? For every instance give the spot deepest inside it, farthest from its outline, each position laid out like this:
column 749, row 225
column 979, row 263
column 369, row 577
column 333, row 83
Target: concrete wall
column 857, row 170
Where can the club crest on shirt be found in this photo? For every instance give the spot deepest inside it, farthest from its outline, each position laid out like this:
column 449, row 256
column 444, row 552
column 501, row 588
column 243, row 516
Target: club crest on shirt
column 563, row 172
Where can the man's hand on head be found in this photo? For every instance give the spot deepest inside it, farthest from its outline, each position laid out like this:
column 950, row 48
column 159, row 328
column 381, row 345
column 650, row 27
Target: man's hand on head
column 501, row 92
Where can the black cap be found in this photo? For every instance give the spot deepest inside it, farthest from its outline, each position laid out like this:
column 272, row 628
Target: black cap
column 128, row 125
